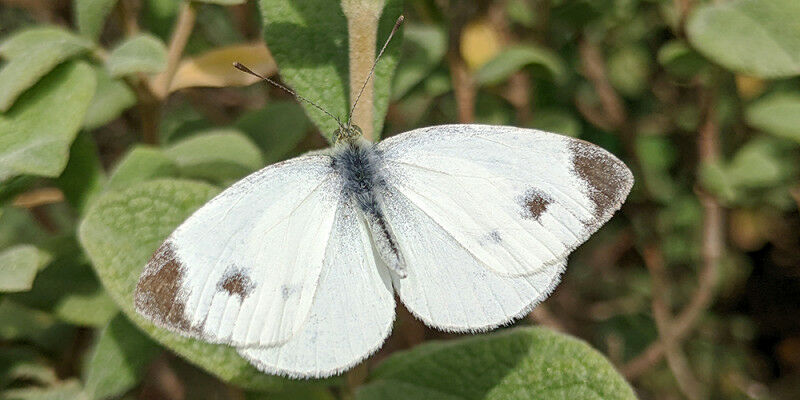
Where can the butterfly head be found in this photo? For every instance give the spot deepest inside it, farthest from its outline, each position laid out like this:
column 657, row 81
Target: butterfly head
column 347, row 134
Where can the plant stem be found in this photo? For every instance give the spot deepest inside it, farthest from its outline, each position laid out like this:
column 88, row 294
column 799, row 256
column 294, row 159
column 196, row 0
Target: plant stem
column 362, row 30
column 180, row 36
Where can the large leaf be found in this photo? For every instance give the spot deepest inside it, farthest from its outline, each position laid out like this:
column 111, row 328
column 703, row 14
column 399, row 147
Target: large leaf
column 35, row 135
column 143, row 53
column 19, row 265
column 522, row 363
column 31, row 55
column 424, row 47
column 753, row 37
column 512, row 59
column 778, row 114
column 308, row 40
column 277, row 128
column 90, row 16
column 121, row 231
column 142, row 163
column 118, row 360
column 219, row 156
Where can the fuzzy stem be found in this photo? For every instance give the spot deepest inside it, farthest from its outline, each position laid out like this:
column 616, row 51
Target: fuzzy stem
column 362, row 29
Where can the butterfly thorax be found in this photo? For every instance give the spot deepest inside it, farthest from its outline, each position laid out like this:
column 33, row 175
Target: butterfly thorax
column 360, row 166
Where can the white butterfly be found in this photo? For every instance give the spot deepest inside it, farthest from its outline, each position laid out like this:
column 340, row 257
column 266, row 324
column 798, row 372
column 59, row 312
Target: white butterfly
column 297, row 264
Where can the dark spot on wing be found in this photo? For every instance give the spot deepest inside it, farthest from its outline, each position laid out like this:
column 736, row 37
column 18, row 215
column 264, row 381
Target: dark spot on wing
column 535, row 203
column 158, row 293
column 608, row 180
column 236, row 281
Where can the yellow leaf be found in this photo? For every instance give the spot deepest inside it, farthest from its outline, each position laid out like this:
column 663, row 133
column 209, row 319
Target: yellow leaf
column 480, row 42
column 215, row 68
column 749, row 87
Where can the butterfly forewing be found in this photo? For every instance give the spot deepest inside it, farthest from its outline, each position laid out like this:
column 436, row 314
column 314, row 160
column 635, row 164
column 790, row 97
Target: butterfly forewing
column 518, row 200
column 243, row 269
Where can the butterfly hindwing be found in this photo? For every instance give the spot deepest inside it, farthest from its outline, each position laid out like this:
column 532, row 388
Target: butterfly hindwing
column 352, row 312
column 447, row 287
column 518, row 200
column 243, row 269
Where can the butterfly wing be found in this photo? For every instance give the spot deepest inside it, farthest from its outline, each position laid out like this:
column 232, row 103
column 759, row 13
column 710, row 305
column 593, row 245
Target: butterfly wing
column 446, row 286
column 243, row 269
column 518, row 200
column 352, row 312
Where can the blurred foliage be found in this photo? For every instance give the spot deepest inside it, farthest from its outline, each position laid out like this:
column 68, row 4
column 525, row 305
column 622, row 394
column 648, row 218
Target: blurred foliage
column 118, row 118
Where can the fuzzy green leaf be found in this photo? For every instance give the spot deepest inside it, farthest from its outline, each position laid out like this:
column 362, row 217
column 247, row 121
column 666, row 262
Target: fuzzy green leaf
column 19, row 265
column 277, row 128
column 35, row 134
column 219, row 156
column 517, row 57
column 753, row 37
column 778, row 114
column 31, row 54
column 118, row 360
column 424, row 47
column 90, row 16
column 522, row 363
column 142, row 163
column 143, row 53
column 111, row 98
column 308, row 40
column 121, row 231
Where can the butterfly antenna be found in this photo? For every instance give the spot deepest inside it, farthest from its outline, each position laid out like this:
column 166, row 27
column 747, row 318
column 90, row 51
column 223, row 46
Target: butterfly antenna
column 371, row 71
column 242, row 68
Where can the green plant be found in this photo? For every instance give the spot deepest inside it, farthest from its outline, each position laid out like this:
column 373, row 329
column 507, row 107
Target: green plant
column 116, row 126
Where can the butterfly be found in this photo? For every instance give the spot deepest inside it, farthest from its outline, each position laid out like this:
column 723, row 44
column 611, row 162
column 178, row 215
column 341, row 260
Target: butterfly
column 297, row 265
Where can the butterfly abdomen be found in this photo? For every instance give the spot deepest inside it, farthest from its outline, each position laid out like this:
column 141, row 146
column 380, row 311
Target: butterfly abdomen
column 359, row 165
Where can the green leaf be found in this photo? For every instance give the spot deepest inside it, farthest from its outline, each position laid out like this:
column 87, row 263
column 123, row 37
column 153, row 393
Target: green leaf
column 277, row 128
column 778, row 114
column 31, row 55
column 119, row 360
column 67, row 390
column 556, row 120
column 514, row 58
column 521, row 363
column 141, row 164
column 69, row 290
column 17, row 226
column 308, row 40
column 35, row 135
column 143, row 53
column 112, row 97
column 83, row 176
column 30, row 325
column 90, row 16
column 680, row 60
column 752, row 37
column 19, row 265
column 120, row 232
column 629, row 70
column 219, row 156
column 424, row 47
column 762, row 163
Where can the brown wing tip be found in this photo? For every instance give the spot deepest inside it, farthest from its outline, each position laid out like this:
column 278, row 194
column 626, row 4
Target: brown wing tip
column 608, row 180
column 158, row 294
